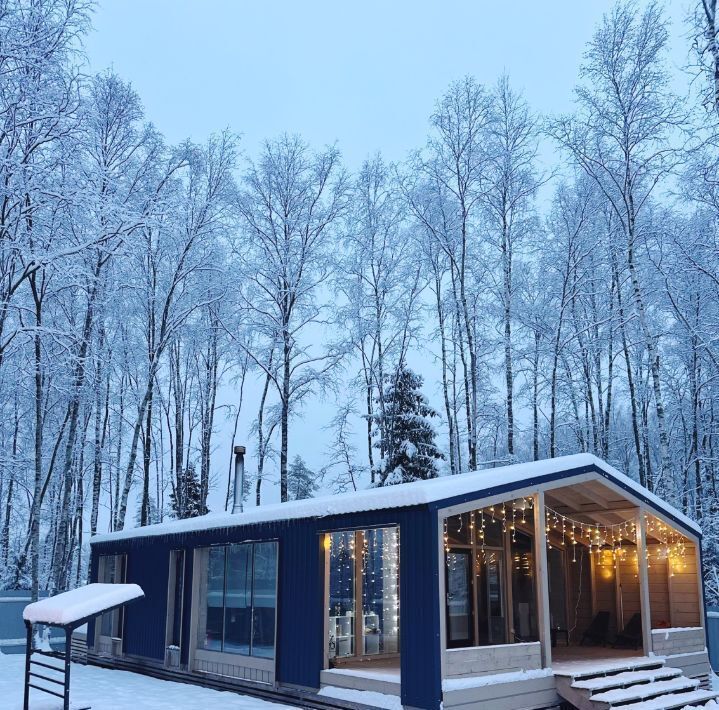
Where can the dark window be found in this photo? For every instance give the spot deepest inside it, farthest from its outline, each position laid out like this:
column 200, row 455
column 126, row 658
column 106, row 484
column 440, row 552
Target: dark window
column 215, row 598
column 111, row 571
column 175, row 596
column 241, row 599
column 238, row 599
column 524, row 597
column 264, row 597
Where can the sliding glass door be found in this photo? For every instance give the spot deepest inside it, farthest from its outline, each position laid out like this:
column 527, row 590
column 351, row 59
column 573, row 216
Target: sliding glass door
column 363, row 593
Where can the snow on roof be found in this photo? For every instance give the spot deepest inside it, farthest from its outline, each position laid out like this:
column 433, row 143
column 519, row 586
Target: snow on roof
column 399, row 496
column 81, row 603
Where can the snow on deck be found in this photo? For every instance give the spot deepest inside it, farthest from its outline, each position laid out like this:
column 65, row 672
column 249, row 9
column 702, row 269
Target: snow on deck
column 608, row 664
column 106, row 689
column 481, row 681
column 399, row 496
column 386, row 674
column 364, row 697
column 80, row 603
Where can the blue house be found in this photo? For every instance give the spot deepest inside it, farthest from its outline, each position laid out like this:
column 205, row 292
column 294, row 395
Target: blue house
column 553, row 583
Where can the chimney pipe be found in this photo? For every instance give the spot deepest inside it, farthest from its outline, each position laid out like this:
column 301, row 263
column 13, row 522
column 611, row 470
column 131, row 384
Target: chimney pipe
column 239, row 479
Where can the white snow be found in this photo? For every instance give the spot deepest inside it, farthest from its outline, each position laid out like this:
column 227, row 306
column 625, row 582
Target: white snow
column 366, row 697
column 626, row 678
column 585, row 666
column 42, row 641
column 80, row 603
column 663, row 702
column 481, row 681
column 402, row 495
column 639, row 692
column 120, row 690
column 388, row 675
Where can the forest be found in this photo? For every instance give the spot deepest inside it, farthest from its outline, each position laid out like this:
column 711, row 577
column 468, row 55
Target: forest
column 559, row 306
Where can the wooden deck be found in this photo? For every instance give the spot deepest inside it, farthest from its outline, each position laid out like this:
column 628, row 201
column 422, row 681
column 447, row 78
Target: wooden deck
column 580, row 658
column 510, row 677
column 378, row 675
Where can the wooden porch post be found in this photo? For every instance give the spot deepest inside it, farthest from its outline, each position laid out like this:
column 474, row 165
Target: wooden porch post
column 644, row 581
column 540, row 553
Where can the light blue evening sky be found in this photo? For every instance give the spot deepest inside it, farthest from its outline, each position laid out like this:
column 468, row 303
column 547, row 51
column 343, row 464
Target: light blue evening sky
column 365, row 74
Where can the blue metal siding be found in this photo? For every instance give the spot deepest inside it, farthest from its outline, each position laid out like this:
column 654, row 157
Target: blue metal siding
column 712, row 626
column 145, row 619
column 299, row 648
column 300, row 603
column 419, row 611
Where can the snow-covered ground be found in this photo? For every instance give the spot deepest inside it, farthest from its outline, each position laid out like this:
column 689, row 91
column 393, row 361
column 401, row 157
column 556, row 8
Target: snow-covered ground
column 119, row 690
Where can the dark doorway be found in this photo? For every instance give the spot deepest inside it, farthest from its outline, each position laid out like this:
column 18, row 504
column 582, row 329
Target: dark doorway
column 460, row 623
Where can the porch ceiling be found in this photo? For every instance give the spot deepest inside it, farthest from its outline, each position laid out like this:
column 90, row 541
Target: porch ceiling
column 591, row 501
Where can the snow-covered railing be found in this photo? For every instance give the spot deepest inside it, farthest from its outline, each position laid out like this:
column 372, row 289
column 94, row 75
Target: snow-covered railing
column 67, row 611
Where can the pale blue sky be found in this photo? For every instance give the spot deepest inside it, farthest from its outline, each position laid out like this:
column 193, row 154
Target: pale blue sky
column 365, row 74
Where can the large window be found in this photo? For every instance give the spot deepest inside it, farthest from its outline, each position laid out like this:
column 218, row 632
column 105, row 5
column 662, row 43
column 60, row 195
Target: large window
column 491, row 595
column 112, row 570
column 240, row 599
column 363, row 604
column 524, row 594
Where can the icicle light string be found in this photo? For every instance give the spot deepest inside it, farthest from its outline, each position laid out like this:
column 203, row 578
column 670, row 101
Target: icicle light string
column 596, row 537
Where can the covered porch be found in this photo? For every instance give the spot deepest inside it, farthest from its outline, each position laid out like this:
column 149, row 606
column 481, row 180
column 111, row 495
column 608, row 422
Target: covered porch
column 575, row 572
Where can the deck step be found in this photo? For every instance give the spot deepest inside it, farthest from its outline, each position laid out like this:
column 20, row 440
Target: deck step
column 673, row 701
column 625, row 679
column 582, row 672
column 645, row 691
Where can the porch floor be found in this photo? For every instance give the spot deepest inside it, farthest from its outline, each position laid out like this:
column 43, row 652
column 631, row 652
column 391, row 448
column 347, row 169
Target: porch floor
column 381, row 675
column 576, row 659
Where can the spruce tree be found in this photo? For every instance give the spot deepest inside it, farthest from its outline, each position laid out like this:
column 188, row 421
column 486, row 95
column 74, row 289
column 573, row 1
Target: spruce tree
column 153, row 514
column 410, row 451
column 301, row 481
column 186, row 499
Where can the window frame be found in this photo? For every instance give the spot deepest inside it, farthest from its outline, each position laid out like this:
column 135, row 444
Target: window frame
column 358, row 534
column 104, row 642
column 201, row 561
column 172, row 593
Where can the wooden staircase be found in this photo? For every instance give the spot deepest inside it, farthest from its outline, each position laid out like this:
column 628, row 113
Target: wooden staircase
column 640, row 684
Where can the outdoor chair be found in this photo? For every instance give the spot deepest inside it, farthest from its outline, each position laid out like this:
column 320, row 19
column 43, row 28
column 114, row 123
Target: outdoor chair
column 631, row 635
column 597, row 631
